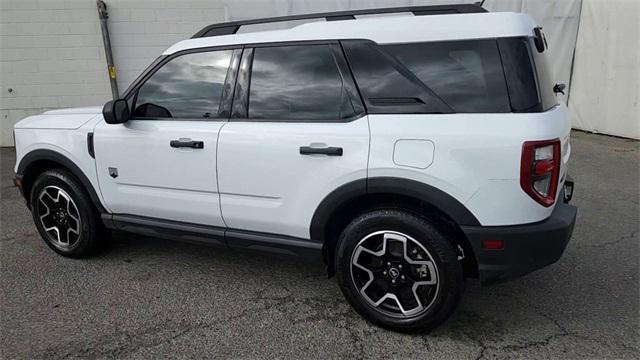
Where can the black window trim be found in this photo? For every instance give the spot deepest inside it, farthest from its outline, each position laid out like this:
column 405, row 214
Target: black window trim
column 131, row 93
column 240, row 109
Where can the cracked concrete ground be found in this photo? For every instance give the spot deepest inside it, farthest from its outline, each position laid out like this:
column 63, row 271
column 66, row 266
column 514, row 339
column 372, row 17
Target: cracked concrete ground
column 145, row 298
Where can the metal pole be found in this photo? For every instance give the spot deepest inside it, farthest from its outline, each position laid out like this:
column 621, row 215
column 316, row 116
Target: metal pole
column 104, row 15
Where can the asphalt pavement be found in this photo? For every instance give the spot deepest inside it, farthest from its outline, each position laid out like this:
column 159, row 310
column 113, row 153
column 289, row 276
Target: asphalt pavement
column 147, row 298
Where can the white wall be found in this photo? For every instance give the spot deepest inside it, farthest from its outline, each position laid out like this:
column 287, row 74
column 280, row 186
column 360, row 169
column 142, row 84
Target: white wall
column 606, row 77
column 51, row 56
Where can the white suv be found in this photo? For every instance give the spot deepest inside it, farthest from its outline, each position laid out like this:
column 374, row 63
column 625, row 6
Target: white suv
column 408, row 152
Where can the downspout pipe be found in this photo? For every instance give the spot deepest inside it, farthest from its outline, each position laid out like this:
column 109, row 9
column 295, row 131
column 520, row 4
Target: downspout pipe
column 104, row 15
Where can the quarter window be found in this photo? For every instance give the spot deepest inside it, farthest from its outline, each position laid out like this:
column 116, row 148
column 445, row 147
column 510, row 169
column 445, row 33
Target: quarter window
column 519, row 71
column 297, row 83
column 189, row 86
column 467, row 75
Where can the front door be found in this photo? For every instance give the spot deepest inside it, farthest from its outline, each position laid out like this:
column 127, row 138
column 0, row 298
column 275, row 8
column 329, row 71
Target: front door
column 162, row 163
column 298, row 131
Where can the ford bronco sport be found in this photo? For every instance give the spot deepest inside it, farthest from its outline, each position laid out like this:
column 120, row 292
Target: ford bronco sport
column 408, row 152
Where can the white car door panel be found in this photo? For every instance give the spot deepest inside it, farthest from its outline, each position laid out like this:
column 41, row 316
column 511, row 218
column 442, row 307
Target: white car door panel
column 267, row 185
column 155, row 179
column 162, row 162
column 296, row 134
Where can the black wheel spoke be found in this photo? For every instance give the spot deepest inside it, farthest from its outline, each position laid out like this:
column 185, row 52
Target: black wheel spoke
column 59, row 217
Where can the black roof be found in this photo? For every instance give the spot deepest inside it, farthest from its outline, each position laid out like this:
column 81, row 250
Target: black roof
column 232, row 27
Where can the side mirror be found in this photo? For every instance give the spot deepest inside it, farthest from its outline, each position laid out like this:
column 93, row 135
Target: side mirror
column 116, row 111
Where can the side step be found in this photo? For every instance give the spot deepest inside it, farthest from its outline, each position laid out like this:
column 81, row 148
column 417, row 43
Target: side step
column 213, row 235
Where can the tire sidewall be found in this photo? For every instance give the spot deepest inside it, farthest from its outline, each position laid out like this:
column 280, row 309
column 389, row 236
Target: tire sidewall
column 440, row 248
column 65, row 181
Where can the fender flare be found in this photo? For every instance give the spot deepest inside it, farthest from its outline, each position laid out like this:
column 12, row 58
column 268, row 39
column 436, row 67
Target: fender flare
column 388, row 185
column 43, row 154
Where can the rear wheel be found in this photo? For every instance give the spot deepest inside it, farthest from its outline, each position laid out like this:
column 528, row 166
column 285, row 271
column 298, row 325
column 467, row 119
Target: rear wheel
column 64, row 215
column 398, row 270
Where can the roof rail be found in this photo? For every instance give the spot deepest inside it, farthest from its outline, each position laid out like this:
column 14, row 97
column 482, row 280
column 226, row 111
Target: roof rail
column 232, row 27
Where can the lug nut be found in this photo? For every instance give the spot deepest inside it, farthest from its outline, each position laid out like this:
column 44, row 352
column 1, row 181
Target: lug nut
column 402, row 277
column 400, row 266
column 393, row 281
column 388, row 263
column 384, row 273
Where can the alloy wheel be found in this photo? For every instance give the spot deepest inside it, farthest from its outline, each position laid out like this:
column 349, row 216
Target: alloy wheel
column 59, row 217
column 394, row 274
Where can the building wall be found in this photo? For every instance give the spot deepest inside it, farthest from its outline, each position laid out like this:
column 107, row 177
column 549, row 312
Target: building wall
column 51, row 56
column 141, row 30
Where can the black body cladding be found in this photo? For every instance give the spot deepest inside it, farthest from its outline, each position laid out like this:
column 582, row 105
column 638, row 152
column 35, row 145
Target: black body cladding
column 31, row 161
column 217, row 236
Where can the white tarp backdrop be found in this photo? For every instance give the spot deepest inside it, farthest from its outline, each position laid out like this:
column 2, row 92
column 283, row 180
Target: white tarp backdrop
column 606, row 75
column 51, row 52
column 604, row 96
column 559, row 18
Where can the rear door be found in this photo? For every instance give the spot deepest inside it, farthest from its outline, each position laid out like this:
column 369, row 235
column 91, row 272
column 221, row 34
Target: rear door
column 297, row 132
column 162, row 162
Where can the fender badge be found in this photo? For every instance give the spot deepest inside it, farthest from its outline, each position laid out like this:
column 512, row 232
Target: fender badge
column 113, row 172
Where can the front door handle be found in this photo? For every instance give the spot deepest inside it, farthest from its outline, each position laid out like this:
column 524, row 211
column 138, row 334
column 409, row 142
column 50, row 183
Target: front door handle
column 194, row 144
column 330, row 151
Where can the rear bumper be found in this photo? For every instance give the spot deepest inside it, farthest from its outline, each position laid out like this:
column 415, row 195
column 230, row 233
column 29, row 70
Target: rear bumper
column 526, row 247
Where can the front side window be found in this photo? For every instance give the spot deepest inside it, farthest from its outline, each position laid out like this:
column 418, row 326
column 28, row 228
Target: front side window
column 189, row 87
column 299, row 82
column 467, row 74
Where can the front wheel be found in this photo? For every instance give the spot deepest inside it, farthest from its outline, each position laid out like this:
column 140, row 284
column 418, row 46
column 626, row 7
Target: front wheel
column 398, row 270
column 64, row 214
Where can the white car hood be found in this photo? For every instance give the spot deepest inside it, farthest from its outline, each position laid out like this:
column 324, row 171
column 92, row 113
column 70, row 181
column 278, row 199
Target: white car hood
column 64, row 119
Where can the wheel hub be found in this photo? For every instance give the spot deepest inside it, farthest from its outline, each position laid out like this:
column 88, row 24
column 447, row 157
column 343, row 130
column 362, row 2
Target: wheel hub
column 60, row 216
column 394, row 273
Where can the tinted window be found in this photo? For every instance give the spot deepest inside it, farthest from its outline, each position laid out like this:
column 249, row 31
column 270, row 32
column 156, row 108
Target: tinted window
column 520, row 75
column 297, row 83
column 386, row 85
column 467, row 75
column 545, row 78
column 189, row 86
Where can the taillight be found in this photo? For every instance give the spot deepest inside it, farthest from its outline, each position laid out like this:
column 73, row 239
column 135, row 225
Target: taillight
column 540, row 170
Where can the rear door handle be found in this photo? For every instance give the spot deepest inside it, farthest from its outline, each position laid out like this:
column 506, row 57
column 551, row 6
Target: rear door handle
column 330, row 151
column 194, row 144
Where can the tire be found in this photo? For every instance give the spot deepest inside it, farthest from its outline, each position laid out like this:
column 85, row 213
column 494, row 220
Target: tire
column 415, row 252
column 64, row 214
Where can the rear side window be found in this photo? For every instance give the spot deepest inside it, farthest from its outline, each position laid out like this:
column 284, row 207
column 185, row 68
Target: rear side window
column 189, row 86
column 545, row 78
column 519, row 71
column 299, row 82
column 528, row 77
column 466, row 74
